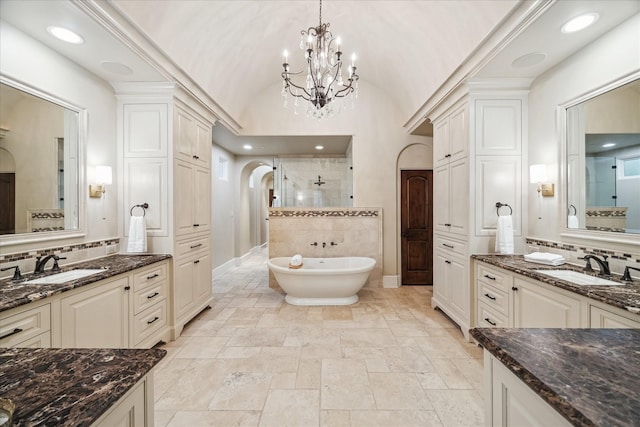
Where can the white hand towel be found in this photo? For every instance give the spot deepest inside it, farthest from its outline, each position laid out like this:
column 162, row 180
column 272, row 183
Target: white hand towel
column 137, row 235
column 296, row 260
column 504, row 235
column 572, row 221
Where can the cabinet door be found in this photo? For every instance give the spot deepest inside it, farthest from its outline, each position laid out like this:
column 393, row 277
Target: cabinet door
column 184, row 279
column 185, row 135
column 203, row 145
column 459, row 197
column 605, row 319
column 459, row 133
column 536, row 306
column 510, row 402
column 458, row 287
column 129, row 411
column 441, row 199
column 145, row 130
column 441, row 142
column 440, row 275
column 183, row 198
column 498, row 126
column 97, row 317
column 202, row 283
column 202, row 199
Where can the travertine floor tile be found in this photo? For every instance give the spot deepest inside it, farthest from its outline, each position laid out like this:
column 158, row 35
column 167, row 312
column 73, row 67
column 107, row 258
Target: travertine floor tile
column 389, row 360
column 291, row 408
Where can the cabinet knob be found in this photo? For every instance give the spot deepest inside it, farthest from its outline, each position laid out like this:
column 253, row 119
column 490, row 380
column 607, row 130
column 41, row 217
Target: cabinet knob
column 196, row 261
column 447, row 261
column 196, row 157
column 196, row 225
column 447, row 225
column 126, row 288
column 513, row 288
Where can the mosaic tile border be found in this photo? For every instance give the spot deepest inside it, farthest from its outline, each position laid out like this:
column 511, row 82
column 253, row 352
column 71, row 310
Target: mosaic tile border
column 57, row 250
column 584, row 249
column 312, row 213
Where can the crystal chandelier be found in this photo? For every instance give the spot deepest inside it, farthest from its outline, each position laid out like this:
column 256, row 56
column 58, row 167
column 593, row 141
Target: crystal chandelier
column 324, row 81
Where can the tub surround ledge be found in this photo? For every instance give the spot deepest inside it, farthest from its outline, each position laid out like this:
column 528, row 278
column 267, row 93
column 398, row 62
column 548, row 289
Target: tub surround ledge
column 70, row 387
column 589, row 376
column 17, row 293
column 626, row 296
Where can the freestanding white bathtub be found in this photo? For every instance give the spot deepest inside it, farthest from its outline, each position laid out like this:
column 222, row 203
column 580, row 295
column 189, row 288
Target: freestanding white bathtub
column 322, row 281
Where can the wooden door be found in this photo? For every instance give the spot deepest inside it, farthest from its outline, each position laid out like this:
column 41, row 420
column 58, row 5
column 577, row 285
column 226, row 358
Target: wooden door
column 417, row 227
column 7, row 203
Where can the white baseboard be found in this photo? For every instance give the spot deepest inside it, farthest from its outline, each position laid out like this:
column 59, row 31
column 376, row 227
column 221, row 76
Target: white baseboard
column 390, row 281
column 221, row 269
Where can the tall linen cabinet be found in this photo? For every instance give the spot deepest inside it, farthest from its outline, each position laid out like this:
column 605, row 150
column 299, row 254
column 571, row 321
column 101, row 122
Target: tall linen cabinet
column 479, row 149
column 164, row 159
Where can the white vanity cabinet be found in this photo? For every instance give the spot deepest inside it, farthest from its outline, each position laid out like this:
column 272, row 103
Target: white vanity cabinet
column 134, row 409
column 506, row 299
column 510, row 402
column 26, row 327
column 450, row 272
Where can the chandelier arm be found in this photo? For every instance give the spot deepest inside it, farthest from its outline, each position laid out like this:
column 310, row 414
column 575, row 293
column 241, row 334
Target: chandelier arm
column 333, row 80
column 290, row 83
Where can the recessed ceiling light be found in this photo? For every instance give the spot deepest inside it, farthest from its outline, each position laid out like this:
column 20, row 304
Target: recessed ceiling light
column 65, row 35
column 319, row 147
column 247, row 147
column 528, row 60
column 116, row 67
column 609, row 144
column 579, row 22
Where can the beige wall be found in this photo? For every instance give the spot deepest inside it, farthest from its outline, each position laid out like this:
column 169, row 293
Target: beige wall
column 357, row 232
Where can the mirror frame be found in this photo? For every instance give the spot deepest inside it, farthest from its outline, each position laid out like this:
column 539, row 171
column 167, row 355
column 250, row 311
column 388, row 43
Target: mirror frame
column 15, row 239
column 561, row 119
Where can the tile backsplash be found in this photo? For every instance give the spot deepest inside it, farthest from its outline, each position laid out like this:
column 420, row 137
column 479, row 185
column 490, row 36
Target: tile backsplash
column 572, row 252
column 73, row 253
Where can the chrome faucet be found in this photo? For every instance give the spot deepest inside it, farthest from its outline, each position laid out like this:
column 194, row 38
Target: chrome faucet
column 602, row 263
column 40, row 263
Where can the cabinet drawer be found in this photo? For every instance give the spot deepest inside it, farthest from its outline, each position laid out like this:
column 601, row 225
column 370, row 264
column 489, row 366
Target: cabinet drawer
column 450, row 245
column 150, row 277
column 149, row 296
column 187, row 247
column 149, row 321
column 23, row 326
column 494, row 298
column 494, row 277
column 488, row 318
column 39, row 341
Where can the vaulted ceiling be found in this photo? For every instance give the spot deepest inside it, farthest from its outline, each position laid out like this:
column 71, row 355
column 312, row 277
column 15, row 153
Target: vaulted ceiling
column 233, row 49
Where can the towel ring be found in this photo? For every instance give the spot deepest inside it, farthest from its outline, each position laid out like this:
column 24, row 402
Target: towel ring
column 144, row 207
column 575, row 211
column 499, row 205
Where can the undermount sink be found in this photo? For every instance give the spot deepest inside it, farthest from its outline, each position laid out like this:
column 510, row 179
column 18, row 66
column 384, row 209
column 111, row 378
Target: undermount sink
column 67, row 276
column 578, row 278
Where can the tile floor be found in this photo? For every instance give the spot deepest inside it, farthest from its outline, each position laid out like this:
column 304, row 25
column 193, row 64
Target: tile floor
column 254, row 360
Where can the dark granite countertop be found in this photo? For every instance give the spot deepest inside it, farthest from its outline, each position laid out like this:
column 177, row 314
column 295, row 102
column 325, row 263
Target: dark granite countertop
column 590, row 376
column 14, row 294
column 69, row 387
column 626, row 296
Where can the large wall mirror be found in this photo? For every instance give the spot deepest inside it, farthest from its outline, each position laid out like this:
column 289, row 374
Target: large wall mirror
column 40, row 168
column 603, row 160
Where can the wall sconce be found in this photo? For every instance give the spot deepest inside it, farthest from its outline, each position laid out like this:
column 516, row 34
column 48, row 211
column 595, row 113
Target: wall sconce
column 103, row 177
column 538, row 175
